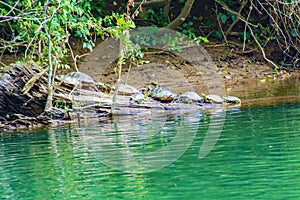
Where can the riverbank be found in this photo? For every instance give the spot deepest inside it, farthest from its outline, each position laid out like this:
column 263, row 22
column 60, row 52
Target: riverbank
column 248, row 77
column 237, row 69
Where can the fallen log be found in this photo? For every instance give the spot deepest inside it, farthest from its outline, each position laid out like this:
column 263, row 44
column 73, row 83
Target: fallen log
column 23, row 95
column 14, row 101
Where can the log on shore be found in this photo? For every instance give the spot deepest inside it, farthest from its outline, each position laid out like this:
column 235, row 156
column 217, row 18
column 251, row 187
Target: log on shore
column 23, row 95
column 13, row 100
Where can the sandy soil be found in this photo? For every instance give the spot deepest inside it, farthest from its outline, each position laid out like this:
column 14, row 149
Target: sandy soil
column 228, row 72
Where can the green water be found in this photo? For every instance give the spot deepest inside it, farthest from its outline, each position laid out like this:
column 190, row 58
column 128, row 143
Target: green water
column 257, row 156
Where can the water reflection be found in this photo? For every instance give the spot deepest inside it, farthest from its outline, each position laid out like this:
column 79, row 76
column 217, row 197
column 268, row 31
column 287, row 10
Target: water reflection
column 269, row 92
column 142, row 144
column 255, row 157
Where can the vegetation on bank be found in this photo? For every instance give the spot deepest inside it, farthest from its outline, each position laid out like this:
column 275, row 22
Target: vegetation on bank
column 40, row 31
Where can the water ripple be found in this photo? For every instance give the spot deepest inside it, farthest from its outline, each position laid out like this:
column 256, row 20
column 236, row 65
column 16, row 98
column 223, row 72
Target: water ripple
column 255, row 157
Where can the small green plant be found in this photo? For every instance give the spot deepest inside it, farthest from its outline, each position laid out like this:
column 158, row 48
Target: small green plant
column 128, row 50
column 45, row 28
column 201, row 39
column 156, row 17
column 58, row 103
column 188, row 29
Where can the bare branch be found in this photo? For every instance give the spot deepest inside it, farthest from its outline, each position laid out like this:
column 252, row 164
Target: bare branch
column 236, row 19
column 182, row 16
column 261, row 48
column 11, row 7
column 153, row 2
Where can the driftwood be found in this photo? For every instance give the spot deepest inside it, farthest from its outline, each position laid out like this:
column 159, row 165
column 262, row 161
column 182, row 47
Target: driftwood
column 23, row 94
column 12, row 98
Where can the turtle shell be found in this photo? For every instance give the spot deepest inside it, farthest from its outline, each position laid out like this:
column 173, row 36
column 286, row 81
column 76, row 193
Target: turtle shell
column 74, row 79
column 82, row 77
column 190, row 97
column 137, row 97
column 162, row 94
column 232, row 99
column 126, row 89
column 213, row 98
column 103, row 87
column 68, row 80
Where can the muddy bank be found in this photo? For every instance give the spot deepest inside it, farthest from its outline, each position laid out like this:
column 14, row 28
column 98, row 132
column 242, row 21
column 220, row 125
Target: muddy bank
column 245, row 75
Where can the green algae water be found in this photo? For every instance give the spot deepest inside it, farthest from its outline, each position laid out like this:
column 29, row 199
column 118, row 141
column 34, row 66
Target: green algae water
column 256, row 156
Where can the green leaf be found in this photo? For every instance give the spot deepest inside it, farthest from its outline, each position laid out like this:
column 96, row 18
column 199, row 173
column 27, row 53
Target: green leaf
column 233, row 17
column 202, row 39
column 153, row 42
column 226, row 52
column 121, row 21
column 219, row 35
column 222, row 17
column 147, row 39
column 294, row 32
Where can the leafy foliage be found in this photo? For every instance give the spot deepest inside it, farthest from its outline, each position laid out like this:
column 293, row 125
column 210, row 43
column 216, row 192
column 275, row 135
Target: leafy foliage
column 31, row 23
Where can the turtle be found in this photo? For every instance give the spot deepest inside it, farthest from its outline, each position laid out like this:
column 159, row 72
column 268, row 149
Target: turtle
column 232, row 99
column 162, row 94
column 190, row 97
column 68, row 81
column 138, row 97
column 126, row 89
column 77, row 79
column 103, row 87
column 212, row 98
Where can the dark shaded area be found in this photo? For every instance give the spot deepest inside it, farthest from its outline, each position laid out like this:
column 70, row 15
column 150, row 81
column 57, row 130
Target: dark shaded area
column 12, row 100
column 23, row 95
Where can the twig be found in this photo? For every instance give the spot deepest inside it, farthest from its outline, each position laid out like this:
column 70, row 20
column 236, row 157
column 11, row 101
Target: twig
column 72, row 54
column 153, row 2
column 12, row 7
column 48, row 105
column 182, row 16
column 276, row 24
column 262, row 50
column 39, row 29
column 79, row 56
column 8, row 18
column 137, row 10
column 220, row 25
column 225, row 7
column 166, row 10
column 246, row 23
column 120, row 63
column 1, row 63
column 236, row 19
column 32, row 81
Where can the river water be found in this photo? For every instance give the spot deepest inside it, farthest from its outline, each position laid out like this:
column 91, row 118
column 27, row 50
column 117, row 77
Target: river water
column 251, row 152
